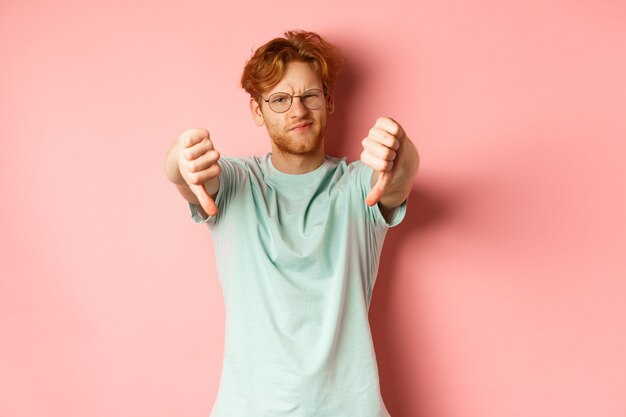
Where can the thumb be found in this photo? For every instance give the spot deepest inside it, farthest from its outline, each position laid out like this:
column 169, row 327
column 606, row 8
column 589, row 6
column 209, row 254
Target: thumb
column 204, row 198
column 384, row 178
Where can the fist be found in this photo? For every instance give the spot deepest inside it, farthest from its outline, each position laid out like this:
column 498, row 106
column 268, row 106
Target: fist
column 197, row 163
column 380, row 152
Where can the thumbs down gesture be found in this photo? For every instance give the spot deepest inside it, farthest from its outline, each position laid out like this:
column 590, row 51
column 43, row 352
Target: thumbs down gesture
column 395, row 161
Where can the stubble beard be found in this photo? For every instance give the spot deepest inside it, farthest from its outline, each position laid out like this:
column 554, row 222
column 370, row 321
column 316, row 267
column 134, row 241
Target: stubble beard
column 288, row 143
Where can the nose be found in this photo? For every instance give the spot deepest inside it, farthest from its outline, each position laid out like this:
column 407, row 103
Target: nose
column 298, row 109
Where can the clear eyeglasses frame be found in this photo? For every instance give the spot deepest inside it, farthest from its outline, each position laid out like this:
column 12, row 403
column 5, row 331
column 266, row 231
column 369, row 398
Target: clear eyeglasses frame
column 311, row 99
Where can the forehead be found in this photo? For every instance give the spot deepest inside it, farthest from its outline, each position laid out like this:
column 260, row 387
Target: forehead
column 298, row 77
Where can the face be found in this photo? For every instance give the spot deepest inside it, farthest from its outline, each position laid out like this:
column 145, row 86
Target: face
column 299, row 130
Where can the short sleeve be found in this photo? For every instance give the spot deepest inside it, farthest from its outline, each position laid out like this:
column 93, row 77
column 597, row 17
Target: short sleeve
column 363, row 182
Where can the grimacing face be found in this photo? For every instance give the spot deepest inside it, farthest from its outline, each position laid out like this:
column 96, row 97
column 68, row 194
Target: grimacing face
column 299, row 130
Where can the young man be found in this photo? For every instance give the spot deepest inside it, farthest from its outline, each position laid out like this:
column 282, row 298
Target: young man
column 298, row 236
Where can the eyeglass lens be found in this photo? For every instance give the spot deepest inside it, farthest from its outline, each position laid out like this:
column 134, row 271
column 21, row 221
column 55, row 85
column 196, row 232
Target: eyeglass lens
column 311, row 99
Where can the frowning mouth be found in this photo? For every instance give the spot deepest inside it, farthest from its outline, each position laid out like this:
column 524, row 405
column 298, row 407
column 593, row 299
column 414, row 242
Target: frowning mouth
column 301, row 126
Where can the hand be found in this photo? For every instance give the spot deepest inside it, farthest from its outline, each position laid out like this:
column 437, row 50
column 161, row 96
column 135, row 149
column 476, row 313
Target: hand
column 380, row 149
column 197, row 163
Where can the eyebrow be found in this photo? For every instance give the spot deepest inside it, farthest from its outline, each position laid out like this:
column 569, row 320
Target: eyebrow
column 304, row 91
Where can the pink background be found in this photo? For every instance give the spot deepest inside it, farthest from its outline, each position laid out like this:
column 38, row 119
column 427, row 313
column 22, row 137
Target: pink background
column 501, row 294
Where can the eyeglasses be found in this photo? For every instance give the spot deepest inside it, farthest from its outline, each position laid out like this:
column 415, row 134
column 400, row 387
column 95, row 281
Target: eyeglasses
column 311, row 99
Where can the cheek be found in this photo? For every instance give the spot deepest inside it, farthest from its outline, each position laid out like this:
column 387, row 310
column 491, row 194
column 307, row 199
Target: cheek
column 274, row 125
column 279, row 124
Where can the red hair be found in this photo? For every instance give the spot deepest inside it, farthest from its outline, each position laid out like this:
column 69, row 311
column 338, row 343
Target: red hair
column 267, row 65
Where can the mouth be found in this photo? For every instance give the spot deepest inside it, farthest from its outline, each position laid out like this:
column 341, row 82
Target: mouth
column 301, row 126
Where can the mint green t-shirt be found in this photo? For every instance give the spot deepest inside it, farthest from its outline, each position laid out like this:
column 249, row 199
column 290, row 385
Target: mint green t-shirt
column 297, row 258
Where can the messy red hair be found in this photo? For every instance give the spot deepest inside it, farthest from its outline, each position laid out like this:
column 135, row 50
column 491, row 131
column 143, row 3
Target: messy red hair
column 267, row 65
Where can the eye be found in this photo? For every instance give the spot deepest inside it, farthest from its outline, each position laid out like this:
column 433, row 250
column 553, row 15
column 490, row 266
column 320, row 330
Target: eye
column 280, row 99
column 313, row 97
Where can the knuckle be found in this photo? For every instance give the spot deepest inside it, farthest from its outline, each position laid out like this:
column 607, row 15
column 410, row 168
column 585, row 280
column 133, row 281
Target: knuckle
column 183, row 140
column 379, row 164
column 199, row 131
column 215, row 170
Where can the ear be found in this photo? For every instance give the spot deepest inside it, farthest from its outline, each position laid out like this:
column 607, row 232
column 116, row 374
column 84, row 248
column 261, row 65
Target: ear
column 330, row 103
column 257, row 115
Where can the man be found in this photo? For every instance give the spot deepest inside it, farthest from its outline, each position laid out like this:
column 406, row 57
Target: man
column 297, row 235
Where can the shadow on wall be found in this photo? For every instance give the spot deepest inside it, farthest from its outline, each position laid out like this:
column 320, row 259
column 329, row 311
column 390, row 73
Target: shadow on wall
column 340, row 131
column 405, row 393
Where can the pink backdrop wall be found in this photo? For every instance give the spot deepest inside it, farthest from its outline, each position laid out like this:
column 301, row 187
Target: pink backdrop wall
column 502, row 293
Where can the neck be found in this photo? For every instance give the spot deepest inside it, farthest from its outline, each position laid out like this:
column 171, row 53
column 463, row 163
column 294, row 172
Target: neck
column 297, row 163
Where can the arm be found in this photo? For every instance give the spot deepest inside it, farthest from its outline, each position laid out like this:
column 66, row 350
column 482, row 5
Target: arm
column 191, row 164
column 395, row 161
